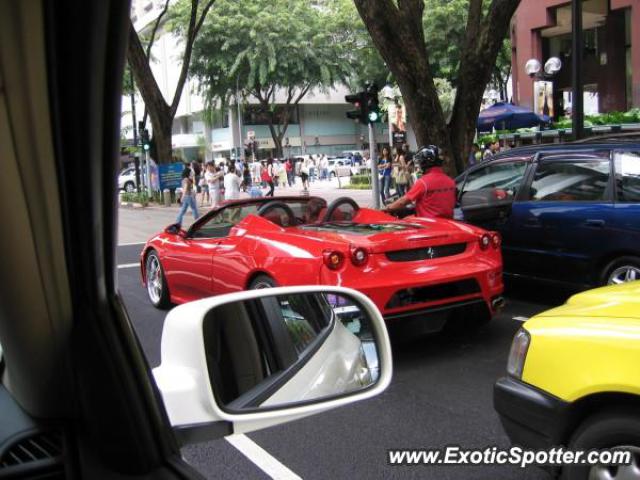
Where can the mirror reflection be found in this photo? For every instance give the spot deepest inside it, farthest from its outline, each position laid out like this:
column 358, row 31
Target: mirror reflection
column 287, row 349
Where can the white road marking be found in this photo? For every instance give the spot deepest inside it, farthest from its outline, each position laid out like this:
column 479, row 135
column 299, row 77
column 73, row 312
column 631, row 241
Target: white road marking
column 129, row 244
column 261, row 458
column 521, row 319
column 129, row 265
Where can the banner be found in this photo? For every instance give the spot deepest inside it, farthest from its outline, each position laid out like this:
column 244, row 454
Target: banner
column 170, row 175
column 543, row 98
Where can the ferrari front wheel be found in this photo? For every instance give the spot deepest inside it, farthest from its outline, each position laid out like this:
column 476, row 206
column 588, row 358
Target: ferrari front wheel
column 156, row 283
column 262, row 281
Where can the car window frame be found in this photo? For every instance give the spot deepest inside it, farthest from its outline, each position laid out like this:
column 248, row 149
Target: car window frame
column 208, row 218
column 527, row 159
column 524, row 194
column 615, row 192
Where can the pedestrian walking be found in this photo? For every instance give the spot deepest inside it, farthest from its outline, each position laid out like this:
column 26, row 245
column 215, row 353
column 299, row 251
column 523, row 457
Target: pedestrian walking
column 324, row 167
column 270, row 177
column 213, row 176
column 384, row 170
column 282, row 174
column 188, row 199
column 304, row 175
column 232, row 184
column 289, row 168
column 246, row 178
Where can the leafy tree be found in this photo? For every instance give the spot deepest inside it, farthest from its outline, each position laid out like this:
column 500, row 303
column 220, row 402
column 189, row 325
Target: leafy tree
column 275, row 52
column 400, row 31
column 161, row 112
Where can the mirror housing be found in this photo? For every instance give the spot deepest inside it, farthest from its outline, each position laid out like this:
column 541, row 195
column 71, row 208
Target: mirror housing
column 184, row 376
column 176, row 229
column 486, row 204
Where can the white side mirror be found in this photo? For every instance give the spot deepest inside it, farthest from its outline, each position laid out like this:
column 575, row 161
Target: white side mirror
column 245, row 361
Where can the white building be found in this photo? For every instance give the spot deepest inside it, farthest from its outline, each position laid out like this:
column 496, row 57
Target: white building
column 318, row 124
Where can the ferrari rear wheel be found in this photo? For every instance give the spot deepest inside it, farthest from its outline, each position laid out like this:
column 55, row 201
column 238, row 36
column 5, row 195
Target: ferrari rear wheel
column 262, row 281
column 156, row 283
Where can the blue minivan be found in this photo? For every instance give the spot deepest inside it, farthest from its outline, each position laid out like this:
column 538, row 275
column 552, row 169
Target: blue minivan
column 568, row 214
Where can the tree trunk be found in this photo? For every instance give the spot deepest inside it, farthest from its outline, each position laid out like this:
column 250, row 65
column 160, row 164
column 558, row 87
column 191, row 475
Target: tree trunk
column 398, row 35
column 397, row 32
column 159, row 110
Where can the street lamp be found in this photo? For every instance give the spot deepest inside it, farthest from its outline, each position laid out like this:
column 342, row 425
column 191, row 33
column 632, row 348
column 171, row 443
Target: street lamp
column 533, row 68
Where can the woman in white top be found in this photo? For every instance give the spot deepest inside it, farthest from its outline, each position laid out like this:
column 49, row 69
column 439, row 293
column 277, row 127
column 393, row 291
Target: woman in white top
column 212, row 177
column 232, row 184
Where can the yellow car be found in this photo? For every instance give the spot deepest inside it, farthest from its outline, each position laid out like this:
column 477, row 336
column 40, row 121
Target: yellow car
column 574, row 379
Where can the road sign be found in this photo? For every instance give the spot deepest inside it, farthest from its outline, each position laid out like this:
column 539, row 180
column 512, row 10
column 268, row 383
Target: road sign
column 251, row 134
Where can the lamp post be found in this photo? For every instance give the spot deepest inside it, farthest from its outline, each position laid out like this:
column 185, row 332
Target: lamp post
column 577, row 102
column 533, row 68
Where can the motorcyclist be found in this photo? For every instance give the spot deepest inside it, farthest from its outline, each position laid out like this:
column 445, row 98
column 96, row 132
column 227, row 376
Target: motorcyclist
column 434, row 193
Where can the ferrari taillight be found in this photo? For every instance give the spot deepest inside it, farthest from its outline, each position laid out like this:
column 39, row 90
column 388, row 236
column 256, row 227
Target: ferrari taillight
column 485, row 241
column 333, row 259
column 496, row 240
column 359, row 256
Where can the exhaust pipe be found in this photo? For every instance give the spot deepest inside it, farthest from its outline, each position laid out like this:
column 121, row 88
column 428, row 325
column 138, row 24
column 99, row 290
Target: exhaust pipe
column 497, row 303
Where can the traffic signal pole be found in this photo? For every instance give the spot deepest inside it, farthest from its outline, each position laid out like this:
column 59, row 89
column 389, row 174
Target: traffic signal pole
column 375, row 181
column 367, row 112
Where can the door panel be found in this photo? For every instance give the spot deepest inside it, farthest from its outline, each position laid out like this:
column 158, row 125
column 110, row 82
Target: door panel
column 563, row 225
column 188, row 267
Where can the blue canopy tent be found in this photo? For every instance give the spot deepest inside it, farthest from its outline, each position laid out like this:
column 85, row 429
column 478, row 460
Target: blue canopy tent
column 504, row 116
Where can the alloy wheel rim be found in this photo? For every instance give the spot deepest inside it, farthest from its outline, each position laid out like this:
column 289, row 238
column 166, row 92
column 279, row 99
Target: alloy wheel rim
column 130, row 188
column 262, row 284
column 619, row 472
column 626, row 273
column 154, row 279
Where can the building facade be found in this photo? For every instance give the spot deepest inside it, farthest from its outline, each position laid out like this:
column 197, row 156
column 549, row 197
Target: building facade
column 541, row 29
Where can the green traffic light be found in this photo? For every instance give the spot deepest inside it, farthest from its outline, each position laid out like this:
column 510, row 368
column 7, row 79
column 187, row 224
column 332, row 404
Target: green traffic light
column 146, row 146
column 373, row 116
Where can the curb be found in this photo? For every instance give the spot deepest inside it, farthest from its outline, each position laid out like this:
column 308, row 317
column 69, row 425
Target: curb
column 132, row 205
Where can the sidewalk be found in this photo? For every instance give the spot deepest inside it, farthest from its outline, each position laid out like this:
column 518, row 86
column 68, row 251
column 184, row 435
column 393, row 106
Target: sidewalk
column 137, row 225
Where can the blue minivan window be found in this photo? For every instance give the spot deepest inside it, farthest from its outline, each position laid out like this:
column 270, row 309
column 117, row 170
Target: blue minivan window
column 572, row 181
column 627, row 166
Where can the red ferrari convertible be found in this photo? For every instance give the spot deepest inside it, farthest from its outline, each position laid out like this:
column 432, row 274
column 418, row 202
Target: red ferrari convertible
column 410, row 268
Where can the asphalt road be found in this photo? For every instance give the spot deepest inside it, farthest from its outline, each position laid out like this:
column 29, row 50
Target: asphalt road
column 441, row 394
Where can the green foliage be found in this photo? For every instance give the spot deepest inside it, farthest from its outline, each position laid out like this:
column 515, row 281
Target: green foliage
column 368, row 65
column 446, row 95
column 361, row 180
column 135, row 197
column 445, row 24
column 611, row 118
column 261, row 45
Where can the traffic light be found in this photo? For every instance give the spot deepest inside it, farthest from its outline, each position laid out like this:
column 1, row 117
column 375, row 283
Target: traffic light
column 373, row 105
column 144, row 139
column 359, row 101
column 367, row 108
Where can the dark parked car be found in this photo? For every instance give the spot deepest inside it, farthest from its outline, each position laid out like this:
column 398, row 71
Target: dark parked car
column 568, row 213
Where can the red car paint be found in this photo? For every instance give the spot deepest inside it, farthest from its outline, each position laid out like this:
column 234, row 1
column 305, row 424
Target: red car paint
column 295, row 255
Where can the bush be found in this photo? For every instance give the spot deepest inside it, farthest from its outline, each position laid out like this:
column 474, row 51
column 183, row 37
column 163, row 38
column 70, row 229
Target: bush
column 136, row 197
column 361, row 180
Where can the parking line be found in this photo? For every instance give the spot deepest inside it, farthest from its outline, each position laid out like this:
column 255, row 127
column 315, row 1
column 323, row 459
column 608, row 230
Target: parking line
column 129, row 244
column 521, row 319
column 261, row 458
column 129, row 265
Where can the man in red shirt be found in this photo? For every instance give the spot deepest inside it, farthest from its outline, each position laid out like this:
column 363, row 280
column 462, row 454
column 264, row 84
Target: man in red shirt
column 434, row 194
